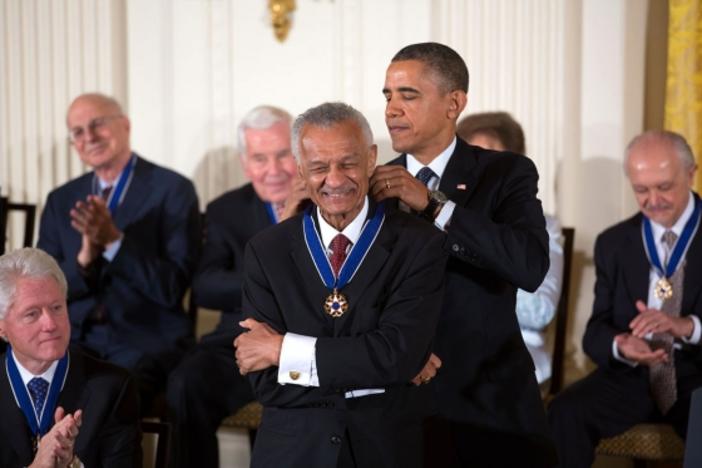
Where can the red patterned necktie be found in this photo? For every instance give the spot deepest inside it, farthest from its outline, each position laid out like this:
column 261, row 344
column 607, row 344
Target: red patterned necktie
column 338, row 247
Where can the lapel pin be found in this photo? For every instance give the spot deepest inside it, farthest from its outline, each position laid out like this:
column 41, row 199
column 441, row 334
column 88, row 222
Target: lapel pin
column 461, row 187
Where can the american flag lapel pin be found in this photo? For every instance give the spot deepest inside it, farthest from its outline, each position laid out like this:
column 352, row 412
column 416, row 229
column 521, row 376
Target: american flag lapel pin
column 461, row 187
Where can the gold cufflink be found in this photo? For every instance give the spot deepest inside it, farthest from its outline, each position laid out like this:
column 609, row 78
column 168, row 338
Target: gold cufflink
column 294, row 375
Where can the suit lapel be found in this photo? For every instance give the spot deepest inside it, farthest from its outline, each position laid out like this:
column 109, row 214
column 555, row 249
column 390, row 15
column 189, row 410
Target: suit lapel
column 460, row 176
column 314, row 288
column 14, row 427
column 137, row 192
column 366, row 274
column 693, row 273
column 73, row 397
column 636, row 266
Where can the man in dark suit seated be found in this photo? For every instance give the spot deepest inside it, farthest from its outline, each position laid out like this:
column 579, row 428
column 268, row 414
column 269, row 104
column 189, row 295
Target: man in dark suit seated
column 59, row 407
column 206, row 387
column 644, row 332
column 343, row 301
column 126, row 236
column 489, row 406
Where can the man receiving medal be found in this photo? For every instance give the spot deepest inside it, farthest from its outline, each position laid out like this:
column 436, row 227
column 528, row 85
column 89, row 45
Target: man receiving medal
column 343, row 301
column 60, row 408
column 644, row 333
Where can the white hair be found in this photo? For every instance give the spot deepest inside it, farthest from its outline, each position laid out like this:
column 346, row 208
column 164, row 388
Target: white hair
column 325, row 115
column 260, row 118
column 26, row 263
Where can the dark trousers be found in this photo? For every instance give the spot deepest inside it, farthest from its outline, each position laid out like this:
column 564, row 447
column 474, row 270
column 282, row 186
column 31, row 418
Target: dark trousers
column 607, row 403
column 204, row 389
column 451, row 444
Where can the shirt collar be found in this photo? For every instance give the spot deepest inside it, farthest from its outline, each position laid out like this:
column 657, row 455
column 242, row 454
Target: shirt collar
column 679, row 225
column 352, row 231
column 47, row 375
column 438, row 164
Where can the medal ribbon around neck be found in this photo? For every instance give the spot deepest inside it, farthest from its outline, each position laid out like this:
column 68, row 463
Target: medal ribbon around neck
column 680, row 248
column 120, row 189
column 38, row 423
column 353, row 259
column 271, row 213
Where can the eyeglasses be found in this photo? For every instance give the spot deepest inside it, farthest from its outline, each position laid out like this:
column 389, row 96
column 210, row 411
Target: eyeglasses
column 96, row 125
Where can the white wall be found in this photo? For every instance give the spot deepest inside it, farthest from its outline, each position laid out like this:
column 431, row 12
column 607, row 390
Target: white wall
column 187, row 70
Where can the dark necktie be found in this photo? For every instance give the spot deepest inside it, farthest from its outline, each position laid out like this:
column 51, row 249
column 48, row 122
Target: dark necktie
column 106, row 193
column 662, row 376
column 425, row 175
column 338, row 247
column 37, row 390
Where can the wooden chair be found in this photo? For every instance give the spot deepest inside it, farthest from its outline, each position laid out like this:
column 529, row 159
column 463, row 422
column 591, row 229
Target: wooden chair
column 561, row 323
column 161, row 432
column 29, row 210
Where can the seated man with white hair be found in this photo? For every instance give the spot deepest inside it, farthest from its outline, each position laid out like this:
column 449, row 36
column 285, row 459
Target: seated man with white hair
column 60, row 407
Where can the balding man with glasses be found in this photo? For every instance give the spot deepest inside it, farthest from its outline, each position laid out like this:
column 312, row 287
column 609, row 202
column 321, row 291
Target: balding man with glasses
column 126, row 236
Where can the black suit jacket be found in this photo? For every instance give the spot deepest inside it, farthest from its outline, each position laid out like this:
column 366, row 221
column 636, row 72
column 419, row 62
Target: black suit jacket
column 142, row 288
column 109, row 436
column 231, row 220
column 497, row 243
column 622, row 270
column 383, row 340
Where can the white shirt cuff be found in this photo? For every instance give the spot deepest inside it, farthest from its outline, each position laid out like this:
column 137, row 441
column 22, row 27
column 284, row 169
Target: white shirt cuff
column 619, row 357
column 111, row 250
column 445, row 215
column 696, row 331
column 363, row 392
column 298, row 362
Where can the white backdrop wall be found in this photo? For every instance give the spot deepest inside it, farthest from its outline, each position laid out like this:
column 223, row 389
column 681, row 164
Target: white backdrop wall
column 50, row 51
column 187, row 70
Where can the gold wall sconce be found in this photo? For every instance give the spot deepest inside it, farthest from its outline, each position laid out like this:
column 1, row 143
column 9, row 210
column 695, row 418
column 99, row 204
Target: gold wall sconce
column 281, row 12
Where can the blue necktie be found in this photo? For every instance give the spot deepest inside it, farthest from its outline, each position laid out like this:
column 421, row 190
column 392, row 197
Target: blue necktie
column 424, row 175
column 37, row 390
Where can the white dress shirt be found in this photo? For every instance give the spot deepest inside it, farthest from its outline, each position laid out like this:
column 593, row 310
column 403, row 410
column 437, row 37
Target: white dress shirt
column 438, row 165
column 111, row 249
column 47, row 375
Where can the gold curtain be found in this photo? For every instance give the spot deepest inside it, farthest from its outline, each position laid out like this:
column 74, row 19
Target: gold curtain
column 683, row 103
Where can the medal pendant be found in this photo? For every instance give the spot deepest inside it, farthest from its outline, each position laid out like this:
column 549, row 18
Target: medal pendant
column 663, row 289
column 335, row 304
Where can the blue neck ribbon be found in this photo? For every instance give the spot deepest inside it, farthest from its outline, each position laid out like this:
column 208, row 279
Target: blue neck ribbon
column 120, row 188
column 680, row 247
column 353, row 259
column 271, row 213
column 38, row 423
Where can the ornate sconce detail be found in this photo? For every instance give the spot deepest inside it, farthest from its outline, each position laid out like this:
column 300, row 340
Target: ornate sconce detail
column 280, row 17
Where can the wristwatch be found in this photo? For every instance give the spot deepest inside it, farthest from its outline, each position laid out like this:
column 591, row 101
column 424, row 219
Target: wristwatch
column 75, row 462
column 437, row 200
